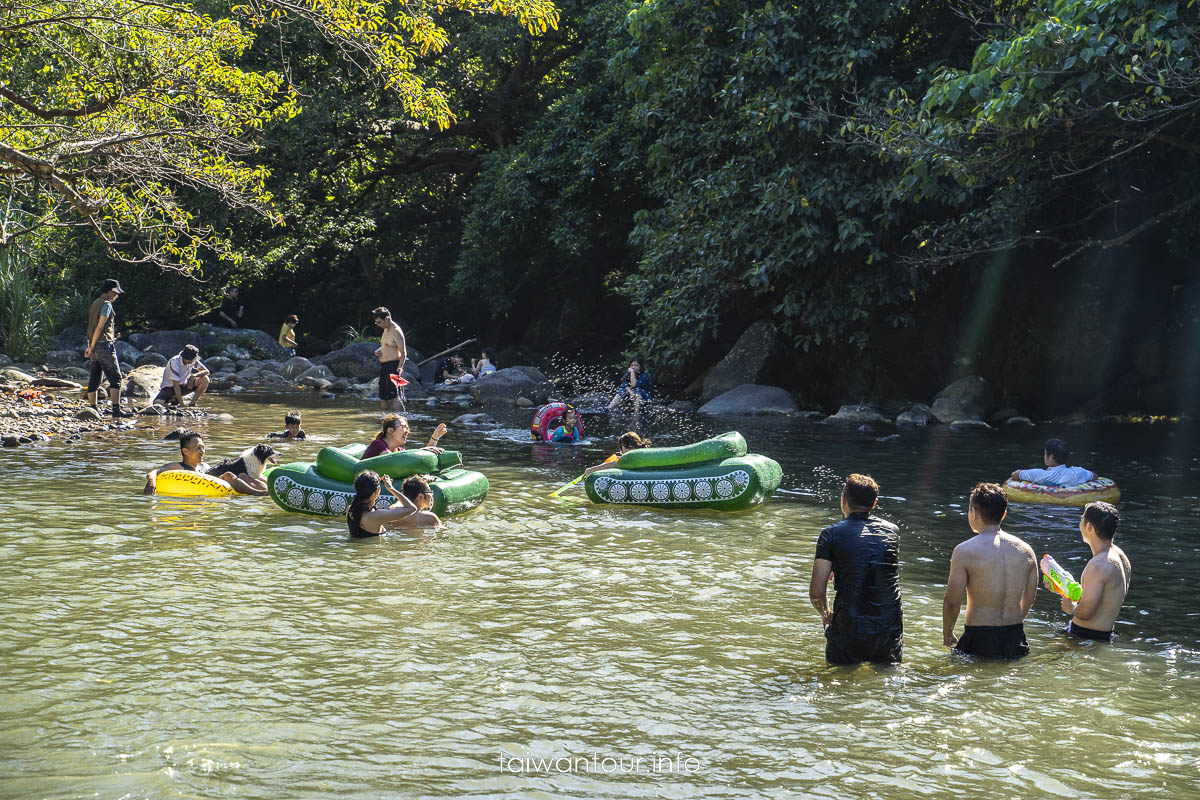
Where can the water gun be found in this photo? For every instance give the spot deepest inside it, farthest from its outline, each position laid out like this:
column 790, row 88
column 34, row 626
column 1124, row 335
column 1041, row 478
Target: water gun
column 608, row 460
column 1059, row 580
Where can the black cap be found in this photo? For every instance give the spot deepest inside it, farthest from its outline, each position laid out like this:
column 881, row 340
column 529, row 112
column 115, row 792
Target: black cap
column 111, row 285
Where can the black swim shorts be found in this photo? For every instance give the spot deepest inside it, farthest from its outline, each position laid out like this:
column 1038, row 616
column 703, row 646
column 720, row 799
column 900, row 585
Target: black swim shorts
column 1088, row 633
column 387, row 389
column 994, row 641
column 104, row 360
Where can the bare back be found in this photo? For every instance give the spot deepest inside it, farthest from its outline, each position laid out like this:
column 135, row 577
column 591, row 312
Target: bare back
column 1001, row 578
column 1107, row 573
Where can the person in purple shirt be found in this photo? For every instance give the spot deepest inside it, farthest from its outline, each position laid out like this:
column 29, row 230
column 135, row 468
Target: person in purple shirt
column 1057, row 473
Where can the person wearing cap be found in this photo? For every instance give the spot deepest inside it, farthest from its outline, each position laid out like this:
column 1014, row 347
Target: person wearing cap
column 102, row 347
column 184, row 374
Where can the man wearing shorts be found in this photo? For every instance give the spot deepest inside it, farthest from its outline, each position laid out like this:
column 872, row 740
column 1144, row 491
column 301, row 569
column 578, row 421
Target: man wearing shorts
column 392, row 352
column 999, row 574
column 102, row 347
column 1105, row 579
column 184, row 374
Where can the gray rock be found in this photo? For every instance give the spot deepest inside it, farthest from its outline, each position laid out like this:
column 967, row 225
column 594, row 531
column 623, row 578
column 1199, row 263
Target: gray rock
column 268, row 378
column 858, row 414
column 948, row 410
column 1001, row 416
column 219, row 364
column 153, row 359
column 319, row 371
column 747, row 362
column 57, row 383
column 73, row 337
column 316, row 383
column 895, row 437
column 248, row 375
column 14, row 374
column 152, row 411
column 969, row 425
column 524, row 402
column 916, row 416
column 127, row 352
column 222, row 417
column 464, row 398
column 63, row 358
column 751, row 398
column 222, row 380
column 682, row 406
column 342, row 385
column 125, row 366
column 5, row 361
column 810, row 416
column 297, row 366
column 77, row 372
column 235, row 353
column 166, row 342
column 507, row 386
column 259, row 344
column 472, row 419
column 143, row 381
column 967, row 398
column 11, row 441
column 87, row 413
column 357, row 360
column 1024, row 421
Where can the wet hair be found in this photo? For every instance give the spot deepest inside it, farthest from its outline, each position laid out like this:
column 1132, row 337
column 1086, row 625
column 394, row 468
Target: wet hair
column 366, row 483
column 489, row 354
column 381, row 313
column 186, row 438
column 414, row 486
column 388, row 422
column 1058, row 449
column 175, row 434
column 860, row 490
column 573, row 413
column 1103, row 517
column 190, row 352
column 990, row 501
column 291, row 418
column 631, row 441
column 292, row 320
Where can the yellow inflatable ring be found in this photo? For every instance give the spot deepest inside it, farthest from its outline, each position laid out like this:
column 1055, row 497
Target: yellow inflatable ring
column 182, row 483
column 1079, row 494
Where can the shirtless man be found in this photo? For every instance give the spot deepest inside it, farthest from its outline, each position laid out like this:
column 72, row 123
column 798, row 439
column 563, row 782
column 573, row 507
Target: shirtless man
column 999, row 573
column 392, row 353
column 191, row 459
column 1105, row 579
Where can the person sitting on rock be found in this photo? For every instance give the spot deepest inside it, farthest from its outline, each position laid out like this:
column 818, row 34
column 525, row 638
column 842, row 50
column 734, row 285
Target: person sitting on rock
column 450, row 371
column 568, row 431
column 1057, row 473
column 636, row 386
column 485, row 364
column 287, row 334
column 292, row 428
column 393, row 434
column 184, row 374
column 627, row 441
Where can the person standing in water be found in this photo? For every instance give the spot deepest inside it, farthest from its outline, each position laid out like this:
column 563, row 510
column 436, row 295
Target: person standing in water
column 864, row 552
column 392, row 353
column 1105, row 579
column 102, row 348
column 999, row 574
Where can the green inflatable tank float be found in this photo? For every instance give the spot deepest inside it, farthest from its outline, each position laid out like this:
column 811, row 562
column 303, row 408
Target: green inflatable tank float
column 716, row 473
column 326, row 486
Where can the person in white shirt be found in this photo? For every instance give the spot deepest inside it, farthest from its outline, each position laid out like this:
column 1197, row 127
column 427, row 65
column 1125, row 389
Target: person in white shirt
column 1056, row 473
column 184, row 374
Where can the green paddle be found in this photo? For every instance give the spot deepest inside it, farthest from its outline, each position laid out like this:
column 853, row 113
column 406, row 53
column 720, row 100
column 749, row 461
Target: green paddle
column 608, row 460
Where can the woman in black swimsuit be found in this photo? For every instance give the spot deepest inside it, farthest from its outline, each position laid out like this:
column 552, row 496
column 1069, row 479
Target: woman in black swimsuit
column 362, row 518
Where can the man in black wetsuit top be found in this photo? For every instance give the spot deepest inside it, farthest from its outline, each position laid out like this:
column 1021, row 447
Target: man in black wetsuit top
column 864, row 553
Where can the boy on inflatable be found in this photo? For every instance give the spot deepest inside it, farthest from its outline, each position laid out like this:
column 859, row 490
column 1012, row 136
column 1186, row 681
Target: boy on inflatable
column 1057, row 473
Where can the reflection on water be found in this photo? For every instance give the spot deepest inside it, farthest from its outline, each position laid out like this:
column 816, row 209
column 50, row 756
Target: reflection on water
column 163, row 647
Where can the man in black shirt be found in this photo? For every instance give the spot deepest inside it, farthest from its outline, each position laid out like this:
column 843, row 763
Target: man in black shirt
column 864, row 553
column 230, row 311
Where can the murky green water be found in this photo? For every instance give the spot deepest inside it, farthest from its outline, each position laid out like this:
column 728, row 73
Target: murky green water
column 159, row 648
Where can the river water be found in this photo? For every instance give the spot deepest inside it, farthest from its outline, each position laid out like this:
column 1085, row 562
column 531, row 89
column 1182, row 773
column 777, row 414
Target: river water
column 542, row 648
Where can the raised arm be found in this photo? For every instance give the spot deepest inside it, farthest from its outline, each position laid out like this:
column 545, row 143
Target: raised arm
column 956, row 585
column 403, row 507
column 436, row 437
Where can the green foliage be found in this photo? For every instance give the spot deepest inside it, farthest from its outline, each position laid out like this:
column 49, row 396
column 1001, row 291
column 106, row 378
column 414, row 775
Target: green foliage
column 25, row 316
column 348, row 335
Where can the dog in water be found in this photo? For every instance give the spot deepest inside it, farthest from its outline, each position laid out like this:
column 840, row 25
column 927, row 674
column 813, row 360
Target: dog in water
column 244, row 473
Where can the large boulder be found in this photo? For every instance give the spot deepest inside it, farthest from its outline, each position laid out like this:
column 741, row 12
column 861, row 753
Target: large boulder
column 72, row 338
column 166, row 342
column 127, row 352
column 751, row 398
column 320, row 371
column 967, row 398
column 260, row 344
column 747, row 362
column 218, row 364
column 356, row 360
column 296, row 366
column 506, row 386
column 916, row 416
column 63, row 358
column 858, row 414
column 154, row 359
column 143, row 381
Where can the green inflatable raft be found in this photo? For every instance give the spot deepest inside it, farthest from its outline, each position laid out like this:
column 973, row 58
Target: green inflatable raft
column 716, row 473
column 326, row 486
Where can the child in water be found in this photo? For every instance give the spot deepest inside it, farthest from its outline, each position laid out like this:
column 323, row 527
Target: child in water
column 569, row 431
column 625, row 442
column 292, row 428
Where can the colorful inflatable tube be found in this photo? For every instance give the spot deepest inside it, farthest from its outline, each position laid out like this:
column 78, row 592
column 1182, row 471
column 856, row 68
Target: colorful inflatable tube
column 714, row 474
column 1079, row 494
column 184, row 483
column 549, row 417
column 326, row 487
